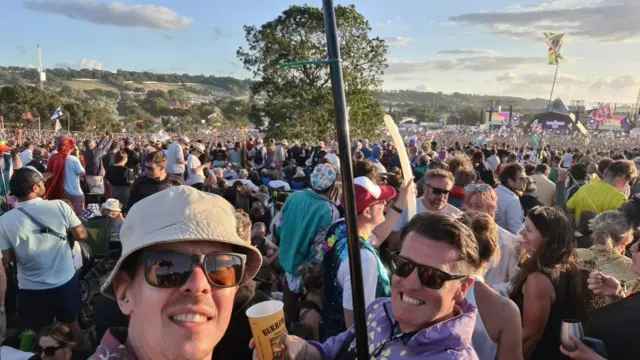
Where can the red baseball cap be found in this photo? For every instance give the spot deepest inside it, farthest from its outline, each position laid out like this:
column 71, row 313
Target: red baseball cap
column 367, row 193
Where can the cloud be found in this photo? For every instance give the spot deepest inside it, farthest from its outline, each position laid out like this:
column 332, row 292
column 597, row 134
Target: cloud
column 541, row 78
column 472, row 63
column 621, row 82
column 465, row 52
column 398, row 41
column 396, row 23
column 115, row 13
column 424, row 88
column 82, row 64
column 600, row 20
column 507, row 77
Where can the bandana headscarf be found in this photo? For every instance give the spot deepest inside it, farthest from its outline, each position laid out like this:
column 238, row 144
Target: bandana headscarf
column 55, row 166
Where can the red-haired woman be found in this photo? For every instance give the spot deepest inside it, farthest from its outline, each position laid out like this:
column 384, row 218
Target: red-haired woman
column 66, row 170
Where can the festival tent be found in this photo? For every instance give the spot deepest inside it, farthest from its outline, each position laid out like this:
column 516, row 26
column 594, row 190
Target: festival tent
column 559, row 117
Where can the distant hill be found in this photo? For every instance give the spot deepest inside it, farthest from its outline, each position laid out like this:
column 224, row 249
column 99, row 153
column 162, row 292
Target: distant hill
column 85, row 79
column 408, row 98
column 125, row 80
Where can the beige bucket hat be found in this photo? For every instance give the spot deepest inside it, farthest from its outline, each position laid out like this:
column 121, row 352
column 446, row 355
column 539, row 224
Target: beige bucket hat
column 177, row 214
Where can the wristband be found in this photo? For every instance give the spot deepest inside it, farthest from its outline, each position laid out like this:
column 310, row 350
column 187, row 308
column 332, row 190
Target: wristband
column 396, row 209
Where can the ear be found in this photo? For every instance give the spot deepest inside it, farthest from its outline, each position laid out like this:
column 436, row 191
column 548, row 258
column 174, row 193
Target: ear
column 367, row 213
column 465, row 285
column 123, row 289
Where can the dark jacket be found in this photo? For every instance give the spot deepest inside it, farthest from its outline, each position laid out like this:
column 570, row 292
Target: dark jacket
column 146, row 186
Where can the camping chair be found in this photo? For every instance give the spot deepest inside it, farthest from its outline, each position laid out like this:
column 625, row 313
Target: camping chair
column 102, row 254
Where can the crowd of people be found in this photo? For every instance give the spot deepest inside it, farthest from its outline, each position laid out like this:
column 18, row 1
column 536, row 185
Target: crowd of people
column 133, row 248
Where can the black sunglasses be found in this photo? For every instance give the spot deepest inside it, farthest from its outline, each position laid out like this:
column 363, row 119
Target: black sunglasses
column 172, row 269
column 438, row 192
column 429, row 276
column 49, row 350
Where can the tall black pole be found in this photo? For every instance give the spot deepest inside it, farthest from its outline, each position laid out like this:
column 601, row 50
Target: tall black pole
column 344, row 146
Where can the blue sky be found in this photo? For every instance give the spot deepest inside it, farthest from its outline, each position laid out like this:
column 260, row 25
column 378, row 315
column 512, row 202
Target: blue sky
column 485, row 47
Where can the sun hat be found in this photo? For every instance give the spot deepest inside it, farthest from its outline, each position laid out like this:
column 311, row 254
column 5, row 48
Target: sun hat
column 198, row 146
column 180, row 214
column 334, row 159
column 323, row 176
column 184, row 139
column 112, row 205
column 367, row 193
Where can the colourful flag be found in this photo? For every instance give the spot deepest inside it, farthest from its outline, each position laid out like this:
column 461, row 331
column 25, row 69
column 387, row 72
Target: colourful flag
column 57, row 114
column 554, row 41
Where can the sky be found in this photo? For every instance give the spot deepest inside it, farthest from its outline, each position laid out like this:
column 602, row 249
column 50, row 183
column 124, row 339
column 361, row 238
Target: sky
column 493, row 47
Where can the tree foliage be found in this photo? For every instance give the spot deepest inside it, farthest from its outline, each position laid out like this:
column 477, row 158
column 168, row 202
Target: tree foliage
column 298, row 100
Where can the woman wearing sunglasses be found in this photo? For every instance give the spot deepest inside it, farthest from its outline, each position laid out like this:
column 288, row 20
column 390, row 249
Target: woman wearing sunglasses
column 56, row 343
column 498, row 331
column 546, row 287
column 427, row 316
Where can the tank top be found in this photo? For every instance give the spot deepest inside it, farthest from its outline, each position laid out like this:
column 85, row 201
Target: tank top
column 482, row 343
column 548, row 347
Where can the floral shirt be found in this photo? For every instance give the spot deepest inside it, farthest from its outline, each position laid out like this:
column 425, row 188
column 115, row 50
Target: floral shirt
column 112, row 346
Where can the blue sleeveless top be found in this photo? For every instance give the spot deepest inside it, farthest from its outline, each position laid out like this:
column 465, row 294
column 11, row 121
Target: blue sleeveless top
column 332, row 322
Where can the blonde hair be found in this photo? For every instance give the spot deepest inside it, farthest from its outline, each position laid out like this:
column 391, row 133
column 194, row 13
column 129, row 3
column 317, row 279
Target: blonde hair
column 243, row 225
column 610, row 228
column 485, row 232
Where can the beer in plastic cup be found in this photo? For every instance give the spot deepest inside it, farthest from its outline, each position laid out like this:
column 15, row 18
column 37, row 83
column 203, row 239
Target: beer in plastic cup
column 269, row 330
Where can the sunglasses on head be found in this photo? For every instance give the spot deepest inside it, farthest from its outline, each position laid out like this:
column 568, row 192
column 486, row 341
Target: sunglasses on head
column 437, row 191
column 172, row 269
column 477, row 188
column 49, row 350
column 430, row 277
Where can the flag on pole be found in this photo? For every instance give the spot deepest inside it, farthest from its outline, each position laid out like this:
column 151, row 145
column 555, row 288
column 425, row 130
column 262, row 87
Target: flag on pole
column 58, row 126
column 57, row 114
column 554, row 41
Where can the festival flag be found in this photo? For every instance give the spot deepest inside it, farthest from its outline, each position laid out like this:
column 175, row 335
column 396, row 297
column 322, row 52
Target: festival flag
column 57, row 114
column 58, row 126
column 554, row 41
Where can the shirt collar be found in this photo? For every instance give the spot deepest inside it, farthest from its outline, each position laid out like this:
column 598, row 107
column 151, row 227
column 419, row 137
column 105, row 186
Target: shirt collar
column 29, row 202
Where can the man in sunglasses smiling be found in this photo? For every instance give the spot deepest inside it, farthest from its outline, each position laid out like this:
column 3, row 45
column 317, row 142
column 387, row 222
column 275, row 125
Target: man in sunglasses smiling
column 437, row 186
column 181, row 265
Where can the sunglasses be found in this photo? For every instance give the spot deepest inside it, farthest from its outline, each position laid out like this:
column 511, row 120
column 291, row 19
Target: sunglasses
column 437, row 191
column 477, row 188
column 49, row 350
column 430, row 277
column 172, row 269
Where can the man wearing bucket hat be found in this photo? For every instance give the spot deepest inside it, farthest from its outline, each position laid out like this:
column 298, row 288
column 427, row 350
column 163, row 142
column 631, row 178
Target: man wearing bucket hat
column 196, row 169
column 305, row 214
column 181, row 265
column 175, row 157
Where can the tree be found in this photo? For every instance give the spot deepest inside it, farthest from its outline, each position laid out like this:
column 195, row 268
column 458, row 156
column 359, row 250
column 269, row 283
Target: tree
column 303, row 94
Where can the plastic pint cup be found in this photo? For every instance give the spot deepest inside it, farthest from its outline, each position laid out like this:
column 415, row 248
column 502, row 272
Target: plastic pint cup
column 269, row 330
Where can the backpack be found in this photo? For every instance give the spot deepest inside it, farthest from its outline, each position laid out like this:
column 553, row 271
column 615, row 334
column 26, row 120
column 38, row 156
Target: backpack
column 258, row 157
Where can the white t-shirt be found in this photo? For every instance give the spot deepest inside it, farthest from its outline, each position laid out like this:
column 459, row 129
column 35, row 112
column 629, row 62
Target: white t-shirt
column 26, row 157
column 173, row 154
column 420, row 208
column 369, row 278
column 194, row 178
column 567, row 160
column 72, row 171
column 482, row 343
column 275, row 184
column 44, row 260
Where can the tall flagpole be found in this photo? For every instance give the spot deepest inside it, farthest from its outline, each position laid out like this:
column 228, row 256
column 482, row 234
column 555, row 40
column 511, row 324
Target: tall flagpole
column 554, row 85
column 344, row 146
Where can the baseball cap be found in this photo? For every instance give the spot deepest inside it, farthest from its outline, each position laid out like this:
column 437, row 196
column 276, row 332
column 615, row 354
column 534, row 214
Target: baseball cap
column 23, row 179
column 180, row 214
column 323, row 176
column 367, row 193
